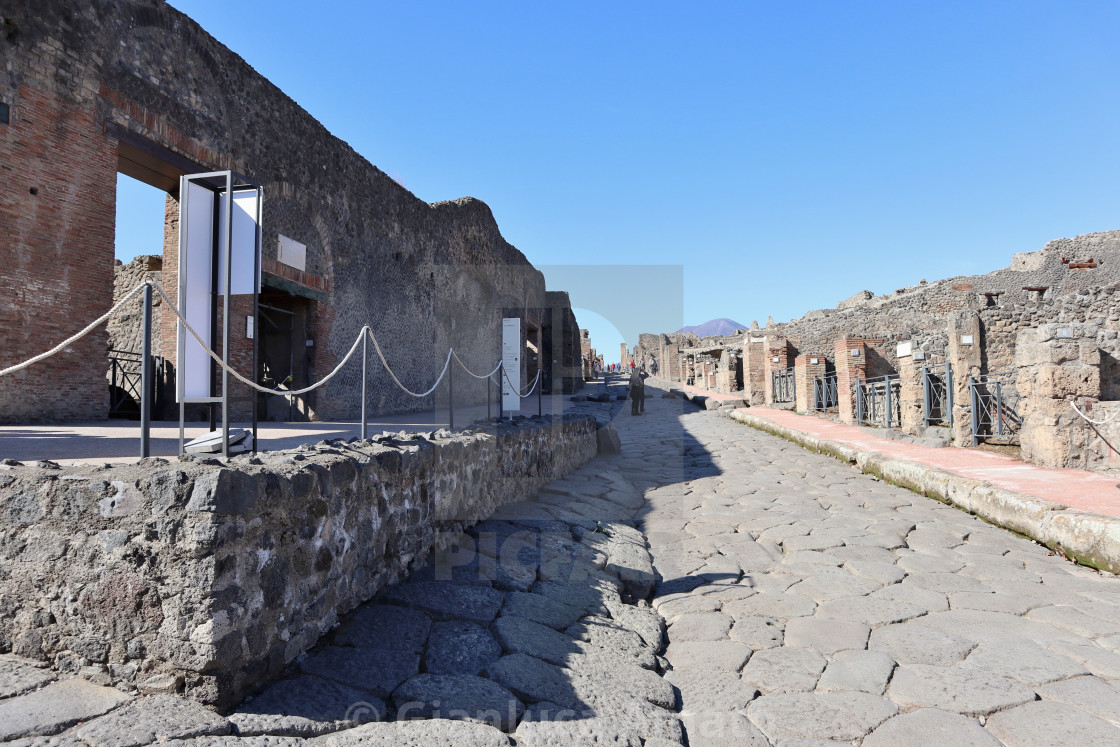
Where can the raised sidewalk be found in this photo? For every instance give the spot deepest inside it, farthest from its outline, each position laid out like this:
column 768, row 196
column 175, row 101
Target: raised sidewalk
column 1072, row 511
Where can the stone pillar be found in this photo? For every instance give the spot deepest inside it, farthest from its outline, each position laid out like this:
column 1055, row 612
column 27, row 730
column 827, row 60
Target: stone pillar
column 965, row 355
column 851, row 364
column 910, row 392
column 777, row 358
column 754, row 371
column 806, row 368
column 1057, row 364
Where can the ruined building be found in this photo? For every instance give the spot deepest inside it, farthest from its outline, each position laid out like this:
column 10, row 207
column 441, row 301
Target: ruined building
column 92, row 89
column 1000, row 358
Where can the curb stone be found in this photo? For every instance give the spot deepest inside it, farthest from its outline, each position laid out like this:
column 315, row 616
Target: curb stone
column 1085, row 538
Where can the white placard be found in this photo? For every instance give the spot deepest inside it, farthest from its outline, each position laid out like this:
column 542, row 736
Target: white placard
column 511, row 362
column 195, row 266
column 249, row 327
column 814, row 361
column 966, row 339
column 292, row 253
column 244, row 243
column 904, row 349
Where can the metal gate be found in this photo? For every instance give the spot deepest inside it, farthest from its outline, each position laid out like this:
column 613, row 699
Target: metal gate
column 125, row 382
column 995, row 407
column 825, row 396
column 878, row 401
column 937, row 395
column 781, row 385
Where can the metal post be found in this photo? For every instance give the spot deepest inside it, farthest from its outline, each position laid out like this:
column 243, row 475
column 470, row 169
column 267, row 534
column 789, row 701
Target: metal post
column 949, row 393
column 927, row 397
column 451, row 395
column 488, row 414
column 999, row 408
column 974, row 408
column 365, row 379
column 228, row 273
column 859, row 403
column 887, row 401
column 540, row 390
column 146, row 377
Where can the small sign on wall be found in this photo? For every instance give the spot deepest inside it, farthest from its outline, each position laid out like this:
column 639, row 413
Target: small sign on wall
column 292, row 253
column 904, row 349
column 814, row 361
column 966, row 339
column 249, row 331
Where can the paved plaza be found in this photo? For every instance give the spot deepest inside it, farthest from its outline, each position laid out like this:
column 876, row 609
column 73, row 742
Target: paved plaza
column 710, row 585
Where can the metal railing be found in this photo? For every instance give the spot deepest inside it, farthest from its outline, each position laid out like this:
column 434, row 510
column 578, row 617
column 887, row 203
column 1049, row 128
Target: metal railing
column 825, row 394
column 995, row 407
column 937, row 395
column 879, row 401
column 782, row 386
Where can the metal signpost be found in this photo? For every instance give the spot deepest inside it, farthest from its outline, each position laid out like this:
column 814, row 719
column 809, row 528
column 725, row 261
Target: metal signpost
column 214, row 238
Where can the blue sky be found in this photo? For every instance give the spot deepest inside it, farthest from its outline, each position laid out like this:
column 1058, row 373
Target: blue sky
column 784, row 154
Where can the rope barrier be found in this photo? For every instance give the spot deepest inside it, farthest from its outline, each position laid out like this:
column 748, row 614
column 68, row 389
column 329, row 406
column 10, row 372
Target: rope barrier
column 512, row 386
column 1087, row 419
column 71, row 340
column 392, row 375
column 248, row 382
column 472, row 373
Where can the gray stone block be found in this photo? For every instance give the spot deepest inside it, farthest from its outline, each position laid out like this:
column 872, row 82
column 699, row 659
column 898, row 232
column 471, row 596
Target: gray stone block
column 540, row 609
column 306, row 706
column 18, row 676
column 608, row 440
column 377, row 671
column 460, row 697
column 931, row 726
column 957, row 690
column 534, row 680
column 460, row 647
column 384, row 626
column 865, row 671
column 838, row 716
column 445, row 601
column 1047, row 722
column 784, row 670
column 154, row 719
column 56, row 707
column 429, row 733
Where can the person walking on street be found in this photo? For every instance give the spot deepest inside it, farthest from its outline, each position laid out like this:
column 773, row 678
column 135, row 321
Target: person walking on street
column 637, row 391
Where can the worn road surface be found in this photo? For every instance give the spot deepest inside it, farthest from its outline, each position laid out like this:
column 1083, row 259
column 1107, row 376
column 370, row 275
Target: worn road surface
column 784, row 599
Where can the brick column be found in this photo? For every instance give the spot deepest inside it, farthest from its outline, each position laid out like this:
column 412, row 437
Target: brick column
column 806, row 368
column 965, row 356
column 777, row 358
column 910, row 393
column 754, row 367
column 851, row 364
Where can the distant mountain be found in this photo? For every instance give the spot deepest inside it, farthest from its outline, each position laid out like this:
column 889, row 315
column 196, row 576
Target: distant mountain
column 714, row 327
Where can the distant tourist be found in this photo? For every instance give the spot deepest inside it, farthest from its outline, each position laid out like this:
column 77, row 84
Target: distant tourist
column 637, row 390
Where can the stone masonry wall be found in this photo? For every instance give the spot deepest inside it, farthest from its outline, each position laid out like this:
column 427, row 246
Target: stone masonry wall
column 87, row 80
column 209, row 577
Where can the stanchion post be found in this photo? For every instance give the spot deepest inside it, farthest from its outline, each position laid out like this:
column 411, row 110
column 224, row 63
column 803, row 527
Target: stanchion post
column 146, row 377
column 487, row 397
column 365, row 379
column 451, row 396
column 539, row 390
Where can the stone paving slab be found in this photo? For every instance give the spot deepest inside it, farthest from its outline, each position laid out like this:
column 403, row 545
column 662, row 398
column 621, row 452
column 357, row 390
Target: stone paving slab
column 56, row 707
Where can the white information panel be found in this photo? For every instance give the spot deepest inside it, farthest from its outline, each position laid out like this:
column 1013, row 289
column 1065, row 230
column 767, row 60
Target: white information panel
column 196, row 256
column 244, row 243
column 511, row 362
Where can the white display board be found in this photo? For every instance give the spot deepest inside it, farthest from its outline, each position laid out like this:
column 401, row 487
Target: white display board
column 202, row 208
column 511, row 362
column 196, row 256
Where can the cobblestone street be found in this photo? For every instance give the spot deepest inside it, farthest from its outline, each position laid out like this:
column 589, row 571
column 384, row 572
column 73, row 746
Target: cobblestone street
column 805, row 603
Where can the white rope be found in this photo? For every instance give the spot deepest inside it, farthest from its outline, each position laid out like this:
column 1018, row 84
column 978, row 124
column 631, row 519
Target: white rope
column 472, row 373
column 392, row 375
column 1106, row 421
column 535, row 382
column 513, row 386
column 71, row 340
column 249, row 382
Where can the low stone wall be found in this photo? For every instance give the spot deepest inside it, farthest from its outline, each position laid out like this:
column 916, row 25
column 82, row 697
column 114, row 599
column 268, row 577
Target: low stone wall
column 209, row 577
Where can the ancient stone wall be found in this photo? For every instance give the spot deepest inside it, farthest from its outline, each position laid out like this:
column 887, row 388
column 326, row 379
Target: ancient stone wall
column 210, row 578
column 93, row 84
